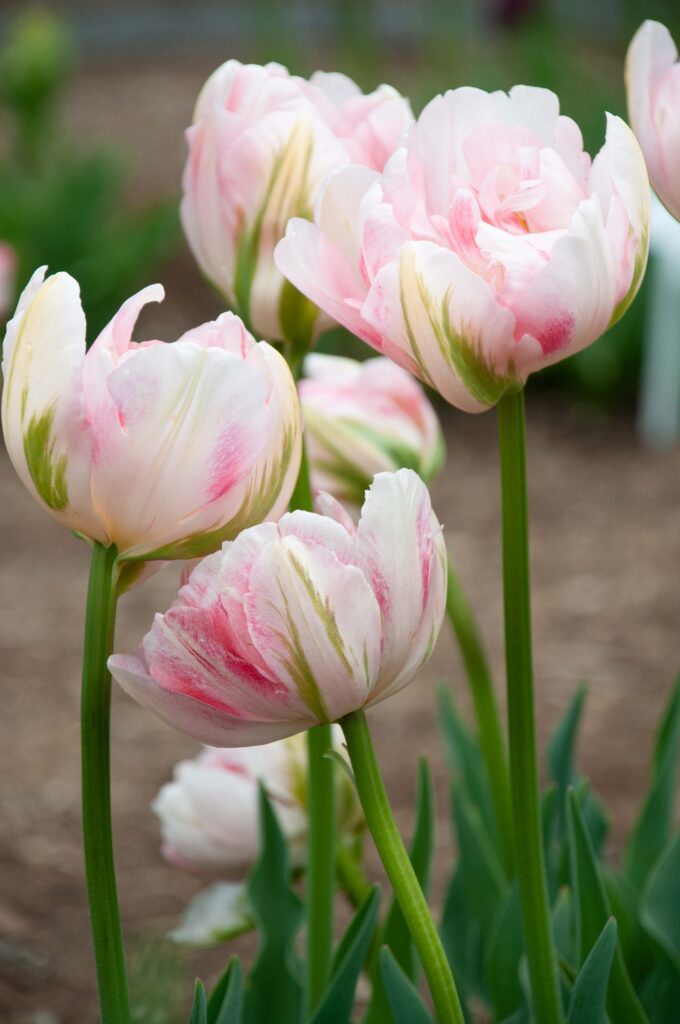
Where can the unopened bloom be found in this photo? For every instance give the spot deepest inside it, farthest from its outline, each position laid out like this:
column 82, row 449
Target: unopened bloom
column 162, row 450
column 209, row 812
column 653, row 87
column 363, row 418
column 298, row 622
column 7, row 276
column 489, row 247
column 261, row 144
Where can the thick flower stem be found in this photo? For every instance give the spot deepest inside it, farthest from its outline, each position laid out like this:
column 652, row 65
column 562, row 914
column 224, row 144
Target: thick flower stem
column 533, row 891
column 488, row 717
column 399, row 869
column 97, row 838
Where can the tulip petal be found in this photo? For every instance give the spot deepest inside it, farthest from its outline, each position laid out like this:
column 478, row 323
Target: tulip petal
column 316, row 623
column 42, row 406
column 401, row 550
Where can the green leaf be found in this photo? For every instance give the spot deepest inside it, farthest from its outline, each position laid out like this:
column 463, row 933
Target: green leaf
column 199, row 1010
column 660, row 909
column 560, row 751
column 588, row 1000
column 653, row 828
column 639, row 950
column 465, row 761
column 483, row 875
column 225, row 1005
column 461, row 934
column 274, row 992
column 336, row 1005
column 563, row 925
column 592, row 912
column 405, row 1003
column 396, row 934
column 502, row 955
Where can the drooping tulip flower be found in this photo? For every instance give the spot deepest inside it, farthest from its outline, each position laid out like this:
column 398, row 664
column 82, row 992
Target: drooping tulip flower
column 261, row 144
column 363, row 418
column 163, row 450
column 653, row 87
column 298, row 622
column 7, row 275
column 489, row 247
column 209, row 812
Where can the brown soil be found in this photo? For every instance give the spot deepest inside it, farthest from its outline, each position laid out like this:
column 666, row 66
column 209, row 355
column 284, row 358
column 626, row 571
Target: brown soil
column 606, row 551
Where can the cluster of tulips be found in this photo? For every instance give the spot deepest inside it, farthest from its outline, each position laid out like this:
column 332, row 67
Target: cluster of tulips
column 470, row 247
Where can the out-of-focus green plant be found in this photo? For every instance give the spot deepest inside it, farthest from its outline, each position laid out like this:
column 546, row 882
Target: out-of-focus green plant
column 61, row 206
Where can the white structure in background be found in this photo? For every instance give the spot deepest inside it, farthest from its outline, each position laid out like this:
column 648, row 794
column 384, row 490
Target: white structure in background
column 659, row 409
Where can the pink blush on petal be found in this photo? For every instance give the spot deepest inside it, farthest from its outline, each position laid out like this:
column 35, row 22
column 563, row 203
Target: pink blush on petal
column 557, row 333
column 230, row 460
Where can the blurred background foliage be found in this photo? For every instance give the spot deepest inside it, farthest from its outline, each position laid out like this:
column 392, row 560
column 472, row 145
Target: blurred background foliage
column 63, row 204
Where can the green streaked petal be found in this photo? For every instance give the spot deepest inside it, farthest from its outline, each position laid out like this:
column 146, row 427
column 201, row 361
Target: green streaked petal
column 48, row 472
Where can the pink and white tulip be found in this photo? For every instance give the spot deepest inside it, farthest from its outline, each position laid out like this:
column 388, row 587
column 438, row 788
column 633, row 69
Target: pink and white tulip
column 490, row 246
column 162, row 450
column 298, row 622
column 261, row 144
column 209, row 812
column 653, row 87
column 363, row 418
column 7, row 278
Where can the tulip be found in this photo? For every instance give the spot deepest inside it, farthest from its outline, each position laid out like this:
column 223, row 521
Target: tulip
column 161, row 450
column 362, row 419
column 298, row 622
column 7, row 277
column 653, row 87
column 261, row 144
column 209, row 812
column 489, row 247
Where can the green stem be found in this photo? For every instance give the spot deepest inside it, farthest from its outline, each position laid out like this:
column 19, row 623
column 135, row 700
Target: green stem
column 399, row 869
column 533, row 890
column 488, row 717
column 97, row 838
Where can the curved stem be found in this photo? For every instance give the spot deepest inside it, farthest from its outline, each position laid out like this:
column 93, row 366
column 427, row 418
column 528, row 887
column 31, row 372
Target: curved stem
column 399, row 868
column 320, row 863
column 488, row 717
column 97, row 837
column 533, row 891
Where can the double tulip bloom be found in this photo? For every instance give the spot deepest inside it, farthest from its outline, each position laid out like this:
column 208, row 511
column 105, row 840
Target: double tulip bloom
column 163, row 450
column 298, row 622
column 653, row 85
column 363, row 418
column 209, row 811
column 261, row 144
column 490, row 246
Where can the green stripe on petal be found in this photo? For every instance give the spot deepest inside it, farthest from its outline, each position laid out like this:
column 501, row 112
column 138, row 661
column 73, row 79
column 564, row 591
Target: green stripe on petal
column 323, row 609
column 638, row 273
column 298, row 666
column 47, row 472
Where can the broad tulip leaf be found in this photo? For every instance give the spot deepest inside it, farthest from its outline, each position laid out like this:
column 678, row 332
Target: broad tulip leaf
column 560, row 752
column 563, row 925
column 592, row 913
column 653, row 828
column 225, row 1005
column 396, row 934
column 336, row 1005
column 274, row 992
column 502, row 955
column 480, row 864
column 199, row 1010
column 466, row 762
column 660, row 910
column 405, row 1003
column 589, row 997
column 637, row 947
column 462, row 938
column 660, row 993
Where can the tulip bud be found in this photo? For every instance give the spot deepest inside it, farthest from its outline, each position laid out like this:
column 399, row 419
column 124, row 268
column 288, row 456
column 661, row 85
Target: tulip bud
column 161, row 450
column 653, row 87
column 209, row 812
column 489, row 247
column 298, row 622
column 261, row 144
column 363, row 418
